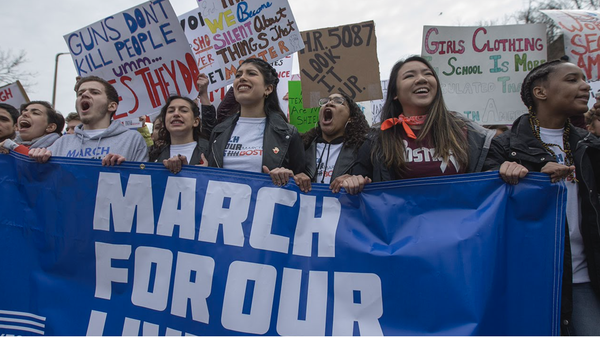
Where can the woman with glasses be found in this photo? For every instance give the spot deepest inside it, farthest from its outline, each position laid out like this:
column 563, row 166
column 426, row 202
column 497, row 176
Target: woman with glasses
column 258, row 137
column 418, row 136
column 332, row 146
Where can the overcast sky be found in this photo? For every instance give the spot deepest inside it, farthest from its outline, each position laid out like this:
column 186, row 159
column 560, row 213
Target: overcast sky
column 38, row 26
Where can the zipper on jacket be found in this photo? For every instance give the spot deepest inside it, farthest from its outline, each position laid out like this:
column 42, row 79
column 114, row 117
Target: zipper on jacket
column 213, row 153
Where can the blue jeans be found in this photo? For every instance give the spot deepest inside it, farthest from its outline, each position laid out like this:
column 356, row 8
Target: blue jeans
column 586, row 311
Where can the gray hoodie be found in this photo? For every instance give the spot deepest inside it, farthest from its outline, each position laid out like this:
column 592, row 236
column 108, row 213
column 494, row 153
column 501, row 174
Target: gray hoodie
column 40, row 142
column 116, row 139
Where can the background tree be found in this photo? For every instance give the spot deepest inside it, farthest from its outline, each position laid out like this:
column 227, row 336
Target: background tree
column 10, row 68
column 532, row 13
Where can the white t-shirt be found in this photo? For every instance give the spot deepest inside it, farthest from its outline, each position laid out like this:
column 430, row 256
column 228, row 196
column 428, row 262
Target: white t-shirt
column 245, row 147
column 327, row 155
column 186, row 150
column 94, row 132
column 580, row 271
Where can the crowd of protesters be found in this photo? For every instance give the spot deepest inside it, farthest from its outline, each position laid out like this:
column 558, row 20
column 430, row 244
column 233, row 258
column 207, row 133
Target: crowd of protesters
column 418, row 137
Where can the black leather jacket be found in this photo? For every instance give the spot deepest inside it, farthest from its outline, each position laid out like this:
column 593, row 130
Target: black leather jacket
column 521, row 146
column 282, row 146
column 345, row 161
column 201, row 148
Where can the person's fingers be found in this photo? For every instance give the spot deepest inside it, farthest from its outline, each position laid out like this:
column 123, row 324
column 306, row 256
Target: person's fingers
column 303, row 182
column 350, row 185
column 266, row 170
column 502, row 171
column 46, row 156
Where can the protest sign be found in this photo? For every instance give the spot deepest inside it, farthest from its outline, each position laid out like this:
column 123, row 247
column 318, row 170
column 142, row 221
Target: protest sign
column 377, row 105
column 303, row 118
column 143, row 52
column 481, row 69
column 581, row 30
column 226, row 32
column 202, row 45
column 284, row 73
column 13, row 94
column 135, row 250
column 340, row 60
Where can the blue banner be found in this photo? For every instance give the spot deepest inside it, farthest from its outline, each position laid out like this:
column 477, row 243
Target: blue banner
column 136, row 250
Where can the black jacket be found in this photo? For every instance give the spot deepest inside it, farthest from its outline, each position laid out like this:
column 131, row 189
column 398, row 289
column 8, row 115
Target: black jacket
column 478, row 139
column 282, row 146
column 201, row 148
column 345, row 161
column 520, row 145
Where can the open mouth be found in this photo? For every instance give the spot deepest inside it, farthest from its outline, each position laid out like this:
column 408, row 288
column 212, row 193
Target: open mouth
column 85, row 105
column 327, row 115
column 24, row 124
column 243, row 87
column 421, row 91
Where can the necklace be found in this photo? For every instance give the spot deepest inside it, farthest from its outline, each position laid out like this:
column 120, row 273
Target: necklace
column 535, row 127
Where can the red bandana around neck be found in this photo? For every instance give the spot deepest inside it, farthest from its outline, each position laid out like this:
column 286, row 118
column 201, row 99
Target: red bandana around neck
column 406, row 122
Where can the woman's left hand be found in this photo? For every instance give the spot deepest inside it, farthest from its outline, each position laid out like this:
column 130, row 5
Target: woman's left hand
column 280, row 176
column 557, row 171
column 174, row 163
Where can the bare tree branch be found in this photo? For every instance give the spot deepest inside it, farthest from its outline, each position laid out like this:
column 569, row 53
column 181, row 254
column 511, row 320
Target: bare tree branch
column 10, row 71
column 532, row 13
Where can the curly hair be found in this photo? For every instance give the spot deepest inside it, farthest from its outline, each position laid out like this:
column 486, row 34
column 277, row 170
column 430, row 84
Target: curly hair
column 447, row 131
column 355, row 132
column 536, row 76
column 163, row 133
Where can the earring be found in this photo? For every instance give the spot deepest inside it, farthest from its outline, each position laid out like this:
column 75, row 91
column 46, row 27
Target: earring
column 266, row 95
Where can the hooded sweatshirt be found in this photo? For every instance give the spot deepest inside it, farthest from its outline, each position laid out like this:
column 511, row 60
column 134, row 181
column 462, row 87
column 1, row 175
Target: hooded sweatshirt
column 40, row 142
column 116, row 139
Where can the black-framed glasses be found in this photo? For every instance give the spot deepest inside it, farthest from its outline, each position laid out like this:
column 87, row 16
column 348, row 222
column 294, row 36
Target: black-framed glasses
column 336, row 99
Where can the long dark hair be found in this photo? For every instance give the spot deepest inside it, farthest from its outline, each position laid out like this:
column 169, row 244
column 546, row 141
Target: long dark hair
column 356, row 128
column 447, row 132
column 163, row 133
column 270, row 75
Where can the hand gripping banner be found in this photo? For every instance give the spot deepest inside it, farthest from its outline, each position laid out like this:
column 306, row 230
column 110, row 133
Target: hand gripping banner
column 136, row 250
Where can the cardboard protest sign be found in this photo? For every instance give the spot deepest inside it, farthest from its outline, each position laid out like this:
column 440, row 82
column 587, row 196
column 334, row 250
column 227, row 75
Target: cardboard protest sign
column 303, row 118
column 142, row 51
column 13, row 94
column 340, row 60
column 581, row 31
column 226, row 32
column 481, row 69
